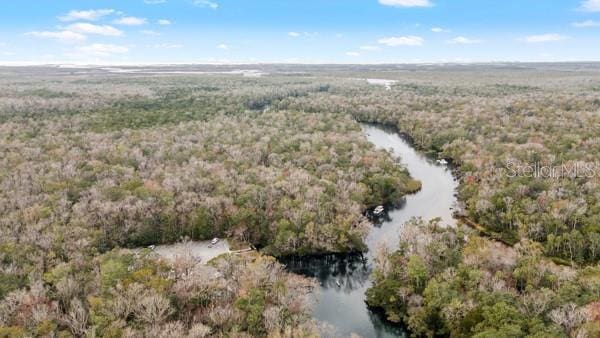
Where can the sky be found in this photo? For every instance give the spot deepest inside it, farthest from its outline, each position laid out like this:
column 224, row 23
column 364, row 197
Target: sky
column 298, row 31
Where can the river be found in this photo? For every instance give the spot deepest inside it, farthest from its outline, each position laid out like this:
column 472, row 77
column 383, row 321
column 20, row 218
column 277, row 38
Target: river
column 344, row 279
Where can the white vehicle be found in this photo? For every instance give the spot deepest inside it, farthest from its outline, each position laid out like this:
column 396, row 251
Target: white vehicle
column 214, row 241
column 442, row 161
column 379, row 210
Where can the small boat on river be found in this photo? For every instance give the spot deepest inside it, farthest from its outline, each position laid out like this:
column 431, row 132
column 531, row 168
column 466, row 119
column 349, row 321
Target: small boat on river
column 378, row 211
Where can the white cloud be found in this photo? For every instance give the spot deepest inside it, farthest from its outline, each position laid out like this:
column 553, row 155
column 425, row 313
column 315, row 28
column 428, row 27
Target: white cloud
column 223, row 46
column 150, row 32
column 406, row 3
column 586, row 24
column 91, row 15
column 461, row 40
column 590, row 6
column 369, row 48
column 88, row 28
column 130, row 21
column 306, row 35
column 439, row 30
column 401, row 41
column 154, row 2
column 99, row 49
column 62, row 36
column 543, row 38
column 164, row 22
column 205, row 3
column 353, row 53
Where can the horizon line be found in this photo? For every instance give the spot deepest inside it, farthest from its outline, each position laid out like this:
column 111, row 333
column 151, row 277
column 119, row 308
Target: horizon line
column 208, row 63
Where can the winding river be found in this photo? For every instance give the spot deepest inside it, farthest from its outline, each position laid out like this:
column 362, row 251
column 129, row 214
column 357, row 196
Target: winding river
column 344, row 279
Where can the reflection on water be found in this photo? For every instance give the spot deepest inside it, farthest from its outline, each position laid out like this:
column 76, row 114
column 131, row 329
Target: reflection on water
column 344, row 279
column 338, row 272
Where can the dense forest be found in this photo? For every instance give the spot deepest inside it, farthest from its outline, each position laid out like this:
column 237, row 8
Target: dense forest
column 95, row 165
column 489, row 127
column 452, row 282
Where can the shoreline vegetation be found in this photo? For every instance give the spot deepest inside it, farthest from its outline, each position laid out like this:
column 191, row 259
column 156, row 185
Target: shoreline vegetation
column 92, row 164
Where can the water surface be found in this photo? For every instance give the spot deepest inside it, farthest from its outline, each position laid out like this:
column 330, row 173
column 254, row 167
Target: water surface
column 344, row 279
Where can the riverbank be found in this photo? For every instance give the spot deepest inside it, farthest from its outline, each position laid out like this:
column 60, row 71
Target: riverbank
column 344, row 279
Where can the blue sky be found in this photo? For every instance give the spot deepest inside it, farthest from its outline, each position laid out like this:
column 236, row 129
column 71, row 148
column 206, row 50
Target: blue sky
column 307, row 31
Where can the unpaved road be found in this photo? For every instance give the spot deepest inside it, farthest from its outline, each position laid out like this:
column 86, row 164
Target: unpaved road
column 200, row 251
